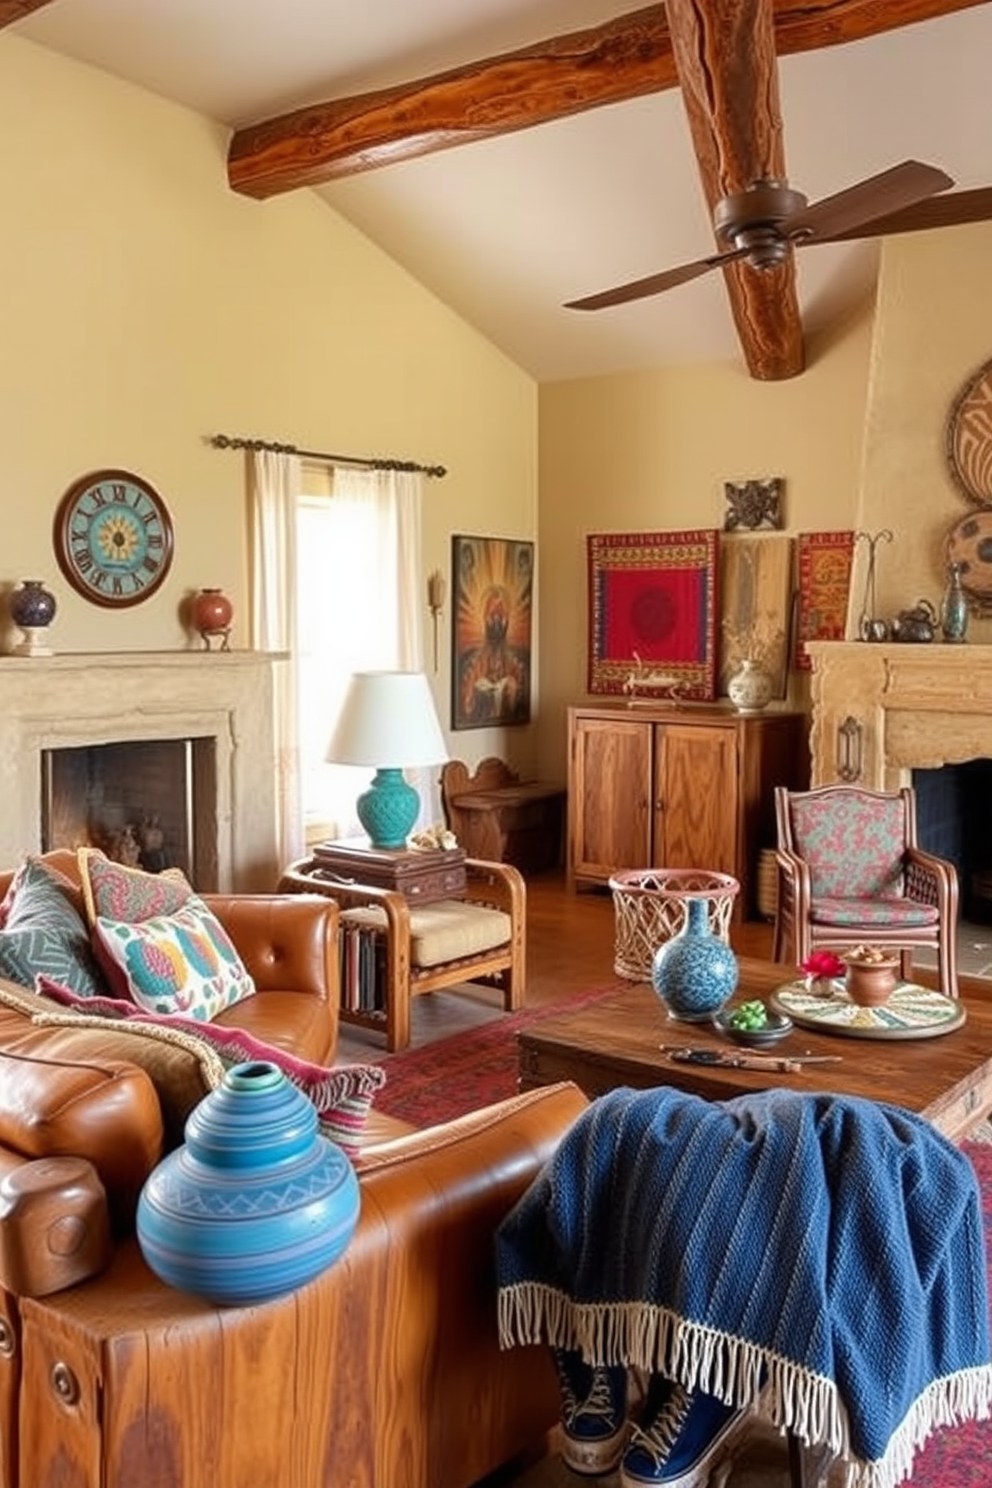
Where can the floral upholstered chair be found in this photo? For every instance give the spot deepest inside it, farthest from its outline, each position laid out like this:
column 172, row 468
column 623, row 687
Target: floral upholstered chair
column 850, row 871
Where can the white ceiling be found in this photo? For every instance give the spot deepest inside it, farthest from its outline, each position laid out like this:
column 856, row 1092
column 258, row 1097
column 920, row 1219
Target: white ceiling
column 506, row 230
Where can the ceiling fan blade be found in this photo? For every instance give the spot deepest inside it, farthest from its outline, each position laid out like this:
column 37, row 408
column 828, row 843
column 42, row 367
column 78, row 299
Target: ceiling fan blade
column 891, row 191
column 940, row 211
column 640, row 289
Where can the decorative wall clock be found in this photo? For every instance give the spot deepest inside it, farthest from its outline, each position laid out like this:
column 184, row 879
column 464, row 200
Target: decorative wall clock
column 113, row 538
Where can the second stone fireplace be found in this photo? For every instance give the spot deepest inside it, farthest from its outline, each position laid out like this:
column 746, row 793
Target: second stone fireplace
column 888, row 715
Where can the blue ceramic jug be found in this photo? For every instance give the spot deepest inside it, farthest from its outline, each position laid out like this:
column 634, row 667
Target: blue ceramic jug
column 256, row 1202
column 695, row 972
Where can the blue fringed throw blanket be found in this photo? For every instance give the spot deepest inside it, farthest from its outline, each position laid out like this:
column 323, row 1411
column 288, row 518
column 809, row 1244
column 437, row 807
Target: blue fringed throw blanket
column 825, row 1252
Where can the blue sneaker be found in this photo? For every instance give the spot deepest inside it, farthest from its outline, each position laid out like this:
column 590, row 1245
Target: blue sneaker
column 680, row 1444
column 593, row 1413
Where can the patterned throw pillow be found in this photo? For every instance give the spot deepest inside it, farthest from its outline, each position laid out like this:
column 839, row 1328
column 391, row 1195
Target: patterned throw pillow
column 179, row 963
column 45, row 934
column 120, row 893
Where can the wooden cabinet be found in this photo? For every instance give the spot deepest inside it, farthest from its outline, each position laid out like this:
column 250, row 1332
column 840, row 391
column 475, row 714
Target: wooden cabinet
column 687, row 787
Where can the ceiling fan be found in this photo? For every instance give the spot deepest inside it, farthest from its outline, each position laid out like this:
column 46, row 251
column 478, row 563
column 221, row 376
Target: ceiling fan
column 765, row 222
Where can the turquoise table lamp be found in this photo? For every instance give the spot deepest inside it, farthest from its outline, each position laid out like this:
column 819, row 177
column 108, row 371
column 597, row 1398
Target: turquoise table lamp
column 388, row 720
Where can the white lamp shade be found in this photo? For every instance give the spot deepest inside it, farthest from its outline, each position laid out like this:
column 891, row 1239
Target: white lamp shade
column 388, row 720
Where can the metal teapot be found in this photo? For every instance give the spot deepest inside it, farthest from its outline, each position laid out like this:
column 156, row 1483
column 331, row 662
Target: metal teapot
column 917, row 624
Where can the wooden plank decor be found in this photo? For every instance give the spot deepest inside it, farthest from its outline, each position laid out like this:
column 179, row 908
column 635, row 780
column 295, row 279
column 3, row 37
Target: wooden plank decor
column 756, row 606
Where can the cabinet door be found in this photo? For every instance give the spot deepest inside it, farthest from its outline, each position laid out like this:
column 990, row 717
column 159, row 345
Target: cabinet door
column 609, row 806
column 696, row 797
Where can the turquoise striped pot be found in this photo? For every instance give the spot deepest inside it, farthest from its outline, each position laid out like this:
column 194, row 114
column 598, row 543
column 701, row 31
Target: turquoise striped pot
column 257, row 1202
column 695, row 972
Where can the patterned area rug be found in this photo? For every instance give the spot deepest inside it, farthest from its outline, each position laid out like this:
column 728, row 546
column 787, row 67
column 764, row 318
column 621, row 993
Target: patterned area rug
column 454, row 1075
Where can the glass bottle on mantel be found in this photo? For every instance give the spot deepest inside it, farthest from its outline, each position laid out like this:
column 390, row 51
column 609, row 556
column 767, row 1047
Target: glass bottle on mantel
column 954, row 606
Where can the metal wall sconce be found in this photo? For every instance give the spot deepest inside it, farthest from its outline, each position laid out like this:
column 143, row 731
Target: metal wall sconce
column 850, row 749
column 435, row 602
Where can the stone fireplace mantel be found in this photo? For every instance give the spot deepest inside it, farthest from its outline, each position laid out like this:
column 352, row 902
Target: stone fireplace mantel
column 912, row 706
column 69, row 701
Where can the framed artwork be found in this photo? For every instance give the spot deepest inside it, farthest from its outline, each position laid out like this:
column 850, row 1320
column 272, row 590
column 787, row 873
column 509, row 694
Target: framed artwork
column 493, row 583
column 652, row 613
column 825, row 560
column 756, row 606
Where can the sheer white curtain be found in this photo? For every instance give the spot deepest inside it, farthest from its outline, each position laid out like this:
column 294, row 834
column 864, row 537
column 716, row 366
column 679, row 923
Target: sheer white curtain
column 274, row 490
column 358, row 609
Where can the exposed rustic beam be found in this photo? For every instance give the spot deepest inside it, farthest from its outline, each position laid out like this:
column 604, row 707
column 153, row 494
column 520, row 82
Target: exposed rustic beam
column 16, row 10
column 607, row 64
column 625, row 58
column 728, row 71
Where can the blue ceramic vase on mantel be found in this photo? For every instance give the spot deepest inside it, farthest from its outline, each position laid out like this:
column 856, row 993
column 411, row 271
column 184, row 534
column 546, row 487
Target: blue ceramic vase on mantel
column 257, row 1202
column 694, row 973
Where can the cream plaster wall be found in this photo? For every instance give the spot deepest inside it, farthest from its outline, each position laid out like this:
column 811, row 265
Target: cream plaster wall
column 145, row 306
column 933, row 330
column 650, row 451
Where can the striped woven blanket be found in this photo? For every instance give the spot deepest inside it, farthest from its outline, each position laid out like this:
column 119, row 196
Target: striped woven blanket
column 823, row 1253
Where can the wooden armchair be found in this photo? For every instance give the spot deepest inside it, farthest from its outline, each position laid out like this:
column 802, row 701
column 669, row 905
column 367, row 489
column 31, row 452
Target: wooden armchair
column 484, row 929
column 850, row 871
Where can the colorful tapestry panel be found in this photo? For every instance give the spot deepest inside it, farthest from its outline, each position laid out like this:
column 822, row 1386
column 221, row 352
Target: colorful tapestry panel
column 652, row 613
column 825, row 560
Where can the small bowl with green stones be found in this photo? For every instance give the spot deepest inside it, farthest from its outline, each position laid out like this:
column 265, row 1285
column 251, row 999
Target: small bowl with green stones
column 752, row 1024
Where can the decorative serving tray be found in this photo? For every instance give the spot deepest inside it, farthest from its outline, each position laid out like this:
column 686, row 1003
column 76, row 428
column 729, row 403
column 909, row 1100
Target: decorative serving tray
column 911, row 1012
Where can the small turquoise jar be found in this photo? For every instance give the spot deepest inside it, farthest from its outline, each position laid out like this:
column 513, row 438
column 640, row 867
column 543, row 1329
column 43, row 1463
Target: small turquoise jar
column 694, row 973
column 257, row 1202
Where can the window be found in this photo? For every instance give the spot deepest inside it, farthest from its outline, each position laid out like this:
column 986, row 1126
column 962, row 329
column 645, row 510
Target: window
column 352, row 554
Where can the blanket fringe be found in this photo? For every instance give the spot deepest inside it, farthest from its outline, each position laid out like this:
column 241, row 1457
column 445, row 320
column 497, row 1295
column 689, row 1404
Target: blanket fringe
column 741, row 1373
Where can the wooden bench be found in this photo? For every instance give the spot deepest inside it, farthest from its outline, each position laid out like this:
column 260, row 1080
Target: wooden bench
column 499, row 817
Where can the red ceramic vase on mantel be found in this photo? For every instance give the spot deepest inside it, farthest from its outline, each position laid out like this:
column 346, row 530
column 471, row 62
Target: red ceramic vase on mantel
column 212, row 613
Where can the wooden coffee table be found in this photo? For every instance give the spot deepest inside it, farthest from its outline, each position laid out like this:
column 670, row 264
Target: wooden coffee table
column 617, row 1041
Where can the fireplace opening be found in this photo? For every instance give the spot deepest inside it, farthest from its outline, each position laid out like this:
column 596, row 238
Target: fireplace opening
column 151, row 803
column 954, row 820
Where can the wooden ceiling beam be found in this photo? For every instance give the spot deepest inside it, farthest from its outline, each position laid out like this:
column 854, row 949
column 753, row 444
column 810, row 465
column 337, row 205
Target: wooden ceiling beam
column 728, row 72
column 624, row 58
column 16, row 10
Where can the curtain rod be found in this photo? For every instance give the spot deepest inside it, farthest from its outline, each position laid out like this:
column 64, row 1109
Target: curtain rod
column 233, row 441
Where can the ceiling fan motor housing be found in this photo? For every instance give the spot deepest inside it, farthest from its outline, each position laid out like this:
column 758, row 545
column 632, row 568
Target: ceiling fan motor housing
column 752, row 221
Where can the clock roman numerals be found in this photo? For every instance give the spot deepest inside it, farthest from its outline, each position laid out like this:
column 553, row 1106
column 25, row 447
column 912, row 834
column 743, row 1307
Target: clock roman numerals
column 113, row 538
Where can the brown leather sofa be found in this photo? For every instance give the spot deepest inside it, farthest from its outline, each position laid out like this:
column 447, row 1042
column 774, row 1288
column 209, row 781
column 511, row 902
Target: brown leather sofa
column 384, row 1372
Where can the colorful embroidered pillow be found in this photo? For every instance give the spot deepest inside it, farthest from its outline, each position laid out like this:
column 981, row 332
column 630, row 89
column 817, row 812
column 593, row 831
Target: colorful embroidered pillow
column 45, row 934
column 121, row 893
column 179, row 963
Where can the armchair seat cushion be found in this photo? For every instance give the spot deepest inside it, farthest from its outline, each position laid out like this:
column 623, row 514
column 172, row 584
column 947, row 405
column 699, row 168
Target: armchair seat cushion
column 881, row 912
column 445, row 931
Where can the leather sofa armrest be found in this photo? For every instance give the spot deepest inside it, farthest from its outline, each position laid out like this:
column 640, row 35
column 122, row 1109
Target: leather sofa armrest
column 288, row 942
column 522, row 1128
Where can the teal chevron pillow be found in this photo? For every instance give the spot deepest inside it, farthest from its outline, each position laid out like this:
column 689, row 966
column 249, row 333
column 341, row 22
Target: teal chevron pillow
column 183, row 962
column 44, row 933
